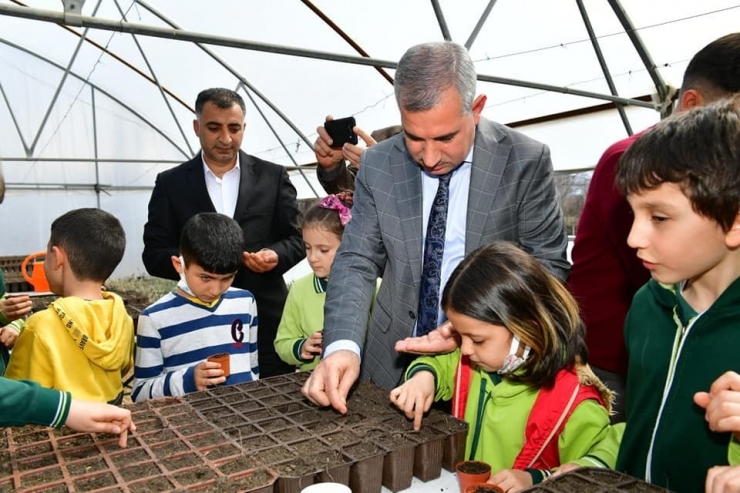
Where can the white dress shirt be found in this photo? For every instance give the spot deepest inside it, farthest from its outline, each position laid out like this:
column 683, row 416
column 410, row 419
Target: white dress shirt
column 225, row 190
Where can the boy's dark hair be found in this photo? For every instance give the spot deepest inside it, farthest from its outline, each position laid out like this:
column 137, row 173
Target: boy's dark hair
column 502, row 285
column 213, row 241
column 93, row 241
column 328, row 218
column 222, row 98
column 715, row 69
column 698, row 150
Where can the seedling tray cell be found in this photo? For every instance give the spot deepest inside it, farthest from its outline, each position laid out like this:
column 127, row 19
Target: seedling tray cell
column 366, row 474
column 398, row 466
column 276, row 455
column 294, row 475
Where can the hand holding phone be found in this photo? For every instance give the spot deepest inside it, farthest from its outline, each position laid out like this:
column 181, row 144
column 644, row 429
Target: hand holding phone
column 341, row 131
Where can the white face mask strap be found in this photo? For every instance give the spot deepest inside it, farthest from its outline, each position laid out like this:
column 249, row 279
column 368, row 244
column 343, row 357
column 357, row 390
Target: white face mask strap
column 182, row 283
column 527, row 349
column 515, row 346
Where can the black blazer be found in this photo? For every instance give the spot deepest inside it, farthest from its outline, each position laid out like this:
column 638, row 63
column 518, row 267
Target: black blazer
column 266, row 209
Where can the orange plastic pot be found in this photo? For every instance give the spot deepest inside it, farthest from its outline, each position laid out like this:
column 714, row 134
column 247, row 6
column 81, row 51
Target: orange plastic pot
column 466, row 477
column 224, row 360
column 483, row 488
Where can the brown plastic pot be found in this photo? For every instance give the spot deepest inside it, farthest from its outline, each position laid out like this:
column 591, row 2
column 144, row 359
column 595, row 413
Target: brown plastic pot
column 483, row 488
column 428, row 459
column 472, row 472
column 224, row 360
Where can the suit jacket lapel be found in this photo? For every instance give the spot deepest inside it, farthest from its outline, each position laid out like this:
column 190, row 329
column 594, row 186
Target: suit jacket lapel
column 407, row 191
column 248, row 167
column 196, row 182
column 491, row 153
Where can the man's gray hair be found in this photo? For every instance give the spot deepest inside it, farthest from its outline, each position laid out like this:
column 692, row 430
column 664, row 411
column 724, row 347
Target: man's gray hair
column 426, row 70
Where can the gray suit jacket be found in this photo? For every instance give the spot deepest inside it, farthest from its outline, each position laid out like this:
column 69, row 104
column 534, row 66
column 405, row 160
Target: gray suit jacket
column 512, row 198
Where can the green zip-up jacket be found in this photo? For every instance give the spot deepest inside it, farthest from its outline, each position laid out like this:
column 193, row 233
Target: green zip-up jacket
column 497, row 414
column 666, row 439
column 23, row 402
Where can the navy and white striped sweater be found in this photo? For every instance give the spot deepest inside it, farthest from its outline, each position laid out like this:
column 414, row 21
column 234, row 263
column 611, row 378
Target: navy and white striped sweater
column 176, row 333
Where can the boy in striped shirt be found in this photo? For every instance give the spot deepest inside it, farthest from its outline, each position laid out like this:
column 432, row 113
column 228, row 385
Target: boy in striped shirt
column 203, row 316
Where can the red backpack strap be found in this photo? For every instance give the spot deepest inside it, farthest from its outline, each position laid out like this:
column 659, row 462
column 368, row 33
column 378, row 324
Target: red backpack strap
column 463, row 375
column 548, row 417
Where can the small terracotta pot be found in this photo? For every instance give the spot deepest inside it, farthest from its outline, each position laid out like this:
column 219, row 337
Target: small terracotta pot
column 483, row 488
column 223, row 360
column 480, row 473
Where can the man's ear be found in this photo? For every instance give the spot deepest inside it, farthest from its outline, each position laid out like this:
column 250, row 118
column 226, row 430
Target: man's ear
column 691, row 98
column 478, row 105
column 196, row 127
column 732, row 237
column 179, row 268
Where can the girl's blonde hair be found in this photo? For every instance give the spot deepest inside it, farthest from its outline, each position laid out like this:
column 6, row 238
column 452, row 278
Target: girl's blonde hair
column 502, row 285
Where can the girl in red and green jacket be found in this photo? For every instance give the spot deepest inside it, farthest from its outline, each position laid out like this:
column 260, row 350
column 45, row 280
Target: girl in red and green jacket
column 520, row 377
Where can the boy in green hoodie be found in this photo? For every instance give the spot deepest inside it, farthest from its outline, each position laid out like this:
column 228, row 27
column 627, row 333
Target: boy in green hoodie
column 682, row 181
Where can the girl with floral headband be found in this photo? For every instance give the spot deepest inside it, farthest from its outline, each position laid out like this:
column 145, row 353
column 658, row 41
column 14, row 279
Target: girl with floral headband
column 519, row 377
column 298, row 340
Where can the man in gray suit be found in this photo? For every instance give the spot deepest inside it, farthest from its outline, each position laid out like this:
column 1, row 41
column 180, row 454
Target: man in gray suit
column 501, row 188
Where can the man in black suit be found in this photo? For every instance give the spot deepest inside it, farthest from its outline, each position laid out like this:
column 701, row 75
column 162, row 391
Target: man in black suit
column 256, row 193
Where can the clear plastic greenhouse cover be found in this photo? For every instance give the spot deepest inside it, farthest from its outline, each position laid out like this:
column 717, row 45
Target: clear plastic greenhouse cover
column 96, row 102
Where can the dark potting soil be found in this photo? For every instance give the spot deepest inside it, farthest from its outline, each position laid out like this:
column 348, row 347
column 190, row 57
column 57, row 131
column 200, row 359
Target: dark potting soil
column 221, row 451
column 181, row 461
column 237, row 465
column 246, row 483
column 45, row 476
column 129, row 456
column 132, row 473
column 472, row 467
column 95, row 482
column 275, row 455
column 158, row 483
column 79, row 468
column 490, row 489
column 194, row 476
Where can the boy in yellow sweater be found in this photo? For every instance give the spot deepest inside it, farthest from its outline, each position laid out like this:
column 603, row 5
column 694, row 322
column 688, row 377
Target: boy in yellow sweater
column 83, row 342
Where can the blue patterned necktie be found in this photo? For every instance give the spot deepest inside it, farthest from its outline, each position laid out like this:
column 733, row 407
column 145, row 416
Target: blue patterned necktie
column 431, row 269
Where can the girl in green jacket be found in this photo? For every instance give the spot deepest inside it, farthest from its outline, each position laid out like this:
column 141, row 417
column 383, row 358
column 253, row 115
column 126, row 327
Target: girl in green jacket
column 299, row 340
column 519, row 377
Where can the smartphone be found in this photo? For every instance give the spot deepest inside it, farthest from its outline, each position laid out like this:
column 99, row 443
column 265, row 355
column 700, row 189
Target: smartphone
column 341, row 131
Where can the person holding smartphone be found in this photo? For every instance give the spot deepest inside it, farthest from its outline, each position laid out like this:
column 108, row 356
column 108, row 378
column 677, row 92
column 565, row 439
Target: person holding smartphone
column 337, row 142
